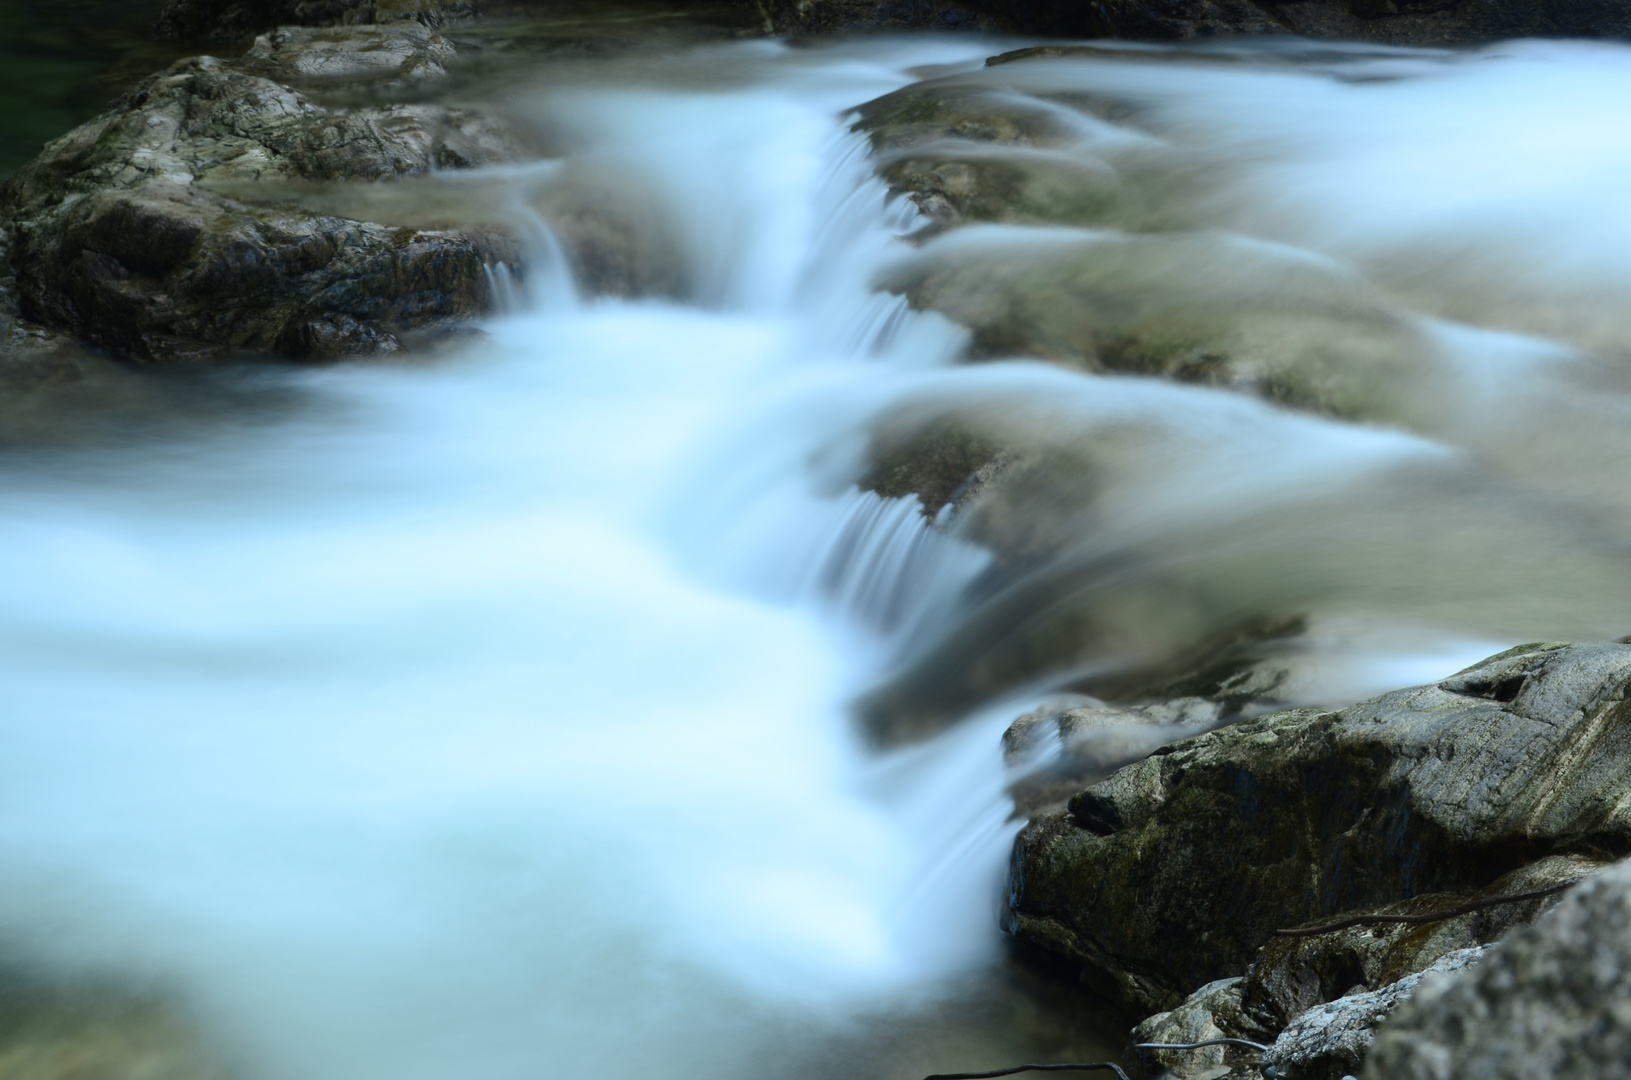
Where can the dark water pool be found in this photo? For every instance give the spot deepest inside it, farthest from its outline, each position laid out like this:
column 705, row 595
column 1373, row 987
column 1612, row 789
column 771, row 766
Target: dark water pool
column 61, row 61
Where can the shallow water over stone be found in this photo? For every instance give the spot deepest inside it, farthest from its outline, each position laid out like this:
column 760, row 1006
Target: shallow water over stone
column 493, row 713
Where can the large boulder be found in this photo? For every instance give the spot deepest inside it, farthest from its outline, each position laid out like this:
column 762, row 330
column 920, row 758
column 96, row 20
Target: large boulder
column 1553, row 1000
column 1175, row 871
column 141, row 230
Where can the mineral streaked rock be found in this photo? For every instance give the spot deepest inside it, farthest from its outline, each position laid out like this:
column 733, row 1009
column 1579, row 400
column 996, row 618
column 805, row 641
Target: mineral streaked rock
column 1331, row 1041
column 1304, row 815
column 117, row 236
column 1553, row 1000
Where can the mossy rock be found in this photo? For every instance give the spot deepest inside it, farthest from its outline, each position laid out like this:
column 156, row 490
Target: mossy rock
column 124, row 233
column 1175, row 871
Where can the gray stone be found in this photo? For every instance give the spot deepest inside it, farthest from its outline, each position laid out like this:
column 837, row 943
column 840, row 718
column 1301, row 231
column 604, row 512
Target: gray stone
column 1553, row 1000
column 1301, row 816
column 1058, row 749
column 1293, row 974
column 402, row 52
column 141, row 230
column 1332, row 1040
column 1212, row 1012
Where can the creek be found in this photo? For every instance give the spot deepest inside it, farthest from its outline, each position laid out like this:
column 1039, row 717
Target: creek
column 492, row 714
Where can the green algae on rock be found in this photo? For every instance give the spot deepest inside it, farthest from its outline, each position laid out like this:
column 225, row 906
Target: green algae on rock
column 1175, row 871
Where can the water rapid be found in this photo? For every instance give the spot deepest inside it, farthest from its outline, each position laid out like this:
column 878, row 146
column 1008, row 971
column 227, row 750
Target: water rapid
column 493, row 715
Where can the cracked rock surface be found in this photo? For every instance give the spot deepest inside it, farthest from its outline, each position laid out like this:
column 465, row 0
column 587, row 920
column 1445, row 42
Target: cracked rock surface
column 1331, row 1041
column 1302, row 816
column 137, row 230
column 1553, row 1000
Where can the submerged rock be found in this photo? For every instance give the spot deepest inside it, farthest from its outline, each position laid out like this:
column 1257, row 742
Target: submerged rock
column 1194, row 307
column 139, row 231
column 1553, row 1000
column 1176, row 870
column 967, row 148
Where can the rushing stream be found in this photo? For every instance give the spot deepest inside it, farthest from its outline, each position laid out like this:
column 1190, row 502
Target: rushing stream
column 491, row 716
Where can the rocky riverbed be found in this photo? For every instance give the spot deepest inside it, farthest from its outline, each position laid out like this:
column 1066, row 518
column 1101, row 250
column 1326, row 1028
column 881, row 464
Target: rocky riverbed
column 1216, row 845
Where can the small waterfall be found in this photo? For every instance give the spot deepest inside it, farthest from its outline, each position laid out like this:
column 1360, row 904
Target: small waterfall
column 888, row 570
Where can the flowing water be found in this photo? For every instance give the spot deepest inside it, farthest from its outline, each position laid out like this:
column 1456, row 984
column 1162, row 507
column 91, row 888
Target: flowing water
column 492, row 715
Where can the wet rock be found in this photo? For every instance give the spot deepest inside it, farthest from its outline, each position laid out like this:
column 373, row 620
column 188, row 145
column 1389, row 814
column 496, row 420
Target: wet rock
column 28, row 351
column 1553, row 1000
column 1062, row 747
column 1193, row 307
column 1033, row 491
column 1212, row 1012
column 295, row 55
column 139, row 231
column 967, row 148
column 229, row 20
column 1331, row 1041
column 1294, row 974
column 1300, row 816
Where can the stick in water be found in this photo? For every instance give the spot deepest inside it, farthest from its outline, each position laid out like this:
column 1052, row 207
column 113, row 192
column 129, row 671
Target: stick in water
column 1247, row 1043
column 1437, row 916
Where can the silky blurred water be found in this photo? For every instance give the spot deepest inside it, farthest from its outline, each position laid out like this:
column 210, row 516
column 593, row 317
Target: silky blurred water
column 490, row 714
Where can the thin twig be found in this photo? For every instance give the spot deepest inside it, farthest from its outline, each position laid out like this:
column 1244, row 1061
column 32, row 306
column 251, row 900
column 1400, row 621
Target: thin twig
column 1091, row 1066
column 1247, row 1043
column 1437, row 916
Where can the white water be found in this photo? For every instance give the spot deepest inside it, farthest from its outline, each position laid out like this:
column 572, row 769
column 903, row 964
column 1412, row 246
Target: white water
column 426, row 733
column 489, row 717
